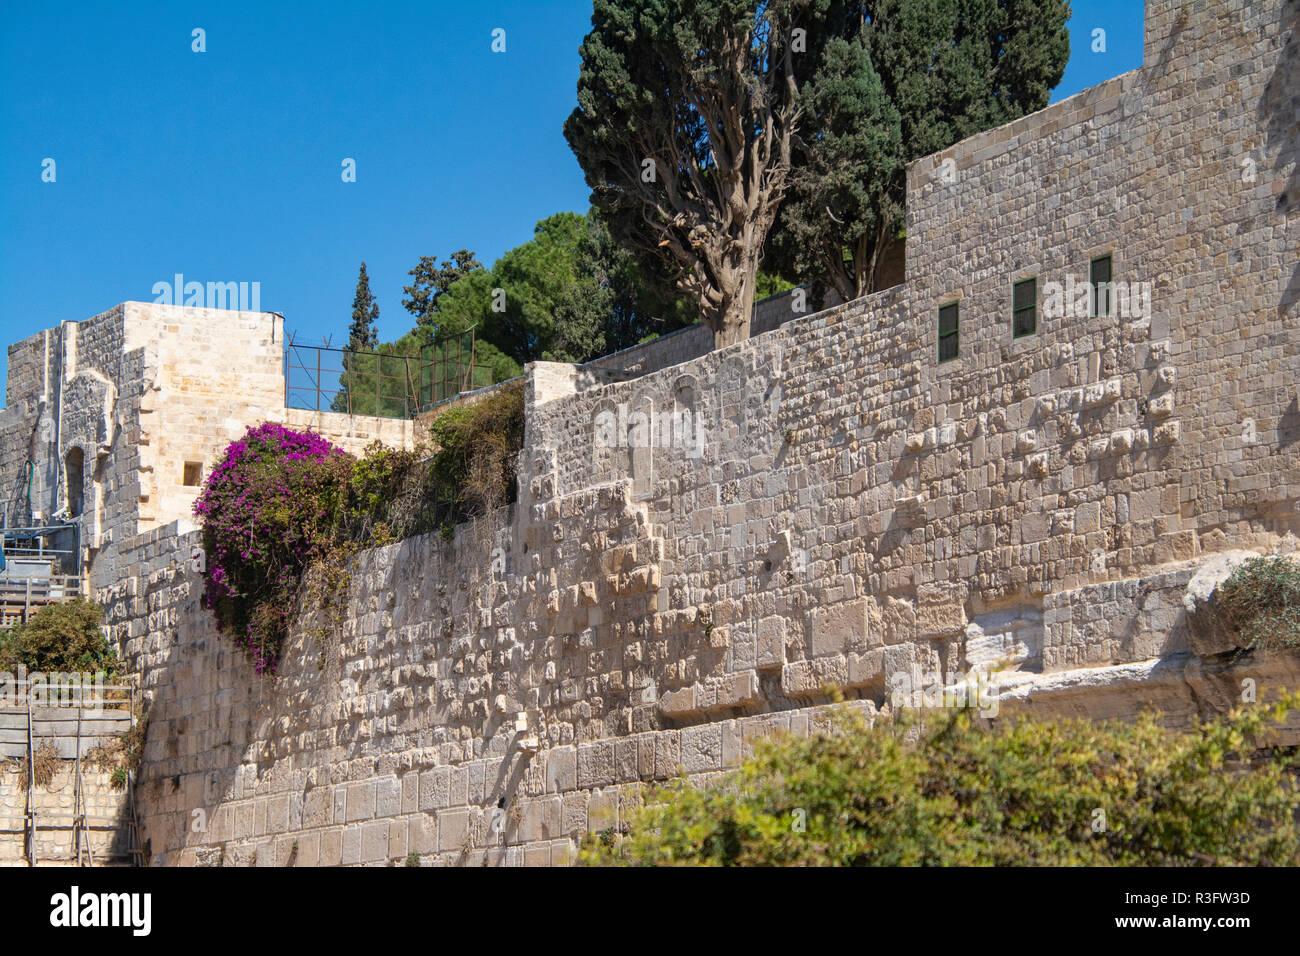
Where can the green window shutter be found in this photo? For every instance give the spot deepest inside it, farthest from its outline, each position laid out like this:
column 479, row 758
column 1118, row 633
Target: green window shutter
column 948, row 332
column 1024, row 308
column 1100, row 279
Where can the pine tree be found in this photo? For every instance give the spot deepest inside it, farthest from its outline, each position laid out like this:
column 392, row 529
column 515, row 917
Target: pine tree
column 431, row 282
column 364, row 332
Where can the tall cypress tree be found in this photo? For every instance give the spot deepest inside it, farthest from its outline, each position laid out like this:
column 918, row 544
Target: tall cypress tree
column 903, row 79
column 364, row 332
column 686, row 115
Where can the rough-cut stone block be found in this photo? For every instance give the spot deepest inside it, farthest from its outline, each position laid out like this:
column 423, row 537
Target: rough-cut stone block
column 836, row 629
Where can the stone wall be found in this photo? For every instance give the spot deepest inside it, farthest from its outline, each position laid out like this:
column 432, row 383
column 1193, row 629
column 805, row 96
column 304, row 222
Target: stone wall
column 105, row 806
column 698, row 550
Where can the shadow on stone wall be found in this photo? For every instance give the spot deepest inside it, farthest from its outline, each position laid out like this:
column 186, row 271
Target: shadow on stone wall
column 1278, row 109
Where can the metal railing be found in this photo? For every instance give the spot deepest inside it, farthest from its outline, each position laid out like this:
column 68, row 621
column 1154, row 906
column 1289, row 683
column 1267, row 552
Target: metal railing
column 386, row 384
column 20, row 598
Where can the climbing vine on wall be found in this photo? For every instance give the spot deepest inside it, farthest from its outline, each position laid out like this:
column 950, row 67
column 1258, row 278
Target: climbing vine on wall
column 284, row 512
column 269, row 509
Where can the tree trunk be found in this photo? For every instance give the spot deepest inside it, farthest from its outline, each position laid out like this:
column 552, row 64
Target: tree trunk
column 734, row 322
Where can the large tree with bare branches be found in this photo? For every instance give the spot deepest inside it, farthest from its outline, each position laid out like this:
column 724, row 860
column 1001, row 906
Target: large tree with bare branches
column 686, row 112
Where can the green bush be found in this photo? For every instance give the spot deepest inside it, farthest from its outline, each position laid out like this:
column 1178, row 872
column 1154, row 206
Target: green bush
column 1261, row 601
column 945, row 791
column 284, row 511
column 478, row 450
column 388, row 496
column 60, row 638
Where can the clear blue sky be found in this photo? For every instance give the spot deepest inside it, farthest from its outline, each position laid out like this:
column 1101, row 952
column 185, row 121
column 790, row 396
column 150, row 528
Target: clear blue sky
column 225, row 165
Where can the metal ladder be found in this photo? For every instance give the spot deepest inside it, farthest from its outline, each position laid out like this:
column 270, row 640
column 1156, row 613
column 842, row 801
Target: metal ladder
column 80, row 834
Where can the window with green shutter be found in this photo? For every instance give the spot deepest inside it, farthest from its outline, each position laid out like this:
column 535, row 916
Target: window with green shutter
column 948, row 332
column 1024, row 308
column 1099, row 279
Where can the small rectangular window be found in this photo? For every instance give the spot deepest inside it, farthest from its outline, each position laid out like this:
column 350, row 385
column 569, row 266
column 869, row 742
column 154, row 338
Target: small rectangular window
column 948, row 332
column 1024, row 308
column 1099, row 278
column 193, row 473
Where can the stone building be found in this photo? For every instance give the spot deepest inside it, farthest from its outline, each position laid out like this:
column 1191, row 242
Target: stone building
column 110, row 424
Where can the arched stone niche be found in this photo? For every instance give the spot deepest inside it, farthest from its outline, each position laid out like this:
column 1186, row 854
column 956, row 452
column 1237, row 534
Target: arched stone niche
column 640, row 435
column 689, row 432
column 74, row 481
column 610, row 459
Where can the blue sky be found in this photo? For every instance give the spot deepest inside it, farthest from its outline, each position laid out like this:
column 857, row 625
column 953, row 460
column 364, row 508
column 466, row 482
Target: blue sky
column 225, row 165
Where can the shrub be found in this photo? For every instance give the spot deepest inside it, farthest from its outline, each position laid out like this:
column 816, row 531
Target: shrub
column 61, row 638
column 1029, row 792
column 269, row 509
column 388, row 496
column 478, row 450
column 1261, row 601
column 122, row 755
column 283, row 512
column 40, row 770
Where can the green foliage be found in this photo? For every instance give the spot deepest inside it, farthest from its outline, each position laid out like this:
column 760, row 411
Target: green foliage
column 431, row 281
column 364, row 333
column 60, row 638
column 1261, row 601
column 642, row 303
column 468, row 304
column 943, row 791
column 383, row 382
column 769, row 284
column 703, row 94
column 845, row 197
column 401, row 377
column 377, row 487
column 537, row 278
column 478, row 445
column 902, row 79
column 412, row 859
column 569, row 294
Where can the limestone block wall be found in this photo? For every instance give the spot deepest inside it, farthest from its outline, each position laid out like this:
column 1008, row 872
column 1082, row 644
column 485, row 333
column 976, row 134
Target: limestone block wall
column 470, row 715
column 209, row 375
column 698, row 550
column 400, row 734
column 105, row 807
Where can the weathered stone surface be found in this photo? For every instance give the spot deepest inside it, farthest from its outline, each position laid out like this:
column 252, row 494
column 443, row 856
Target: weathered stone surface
column 1206, row 632
column 853, row 510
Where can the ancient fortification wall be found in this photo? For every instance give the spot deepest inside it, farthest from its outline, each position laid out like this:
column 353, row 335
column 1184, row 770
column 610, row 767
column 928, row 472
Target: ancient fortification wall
column 827, row 503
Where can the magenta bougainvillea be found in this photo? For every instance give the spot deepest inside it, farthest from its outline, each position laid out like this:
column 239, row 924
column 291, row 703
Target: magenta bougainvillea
column 268, row 510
